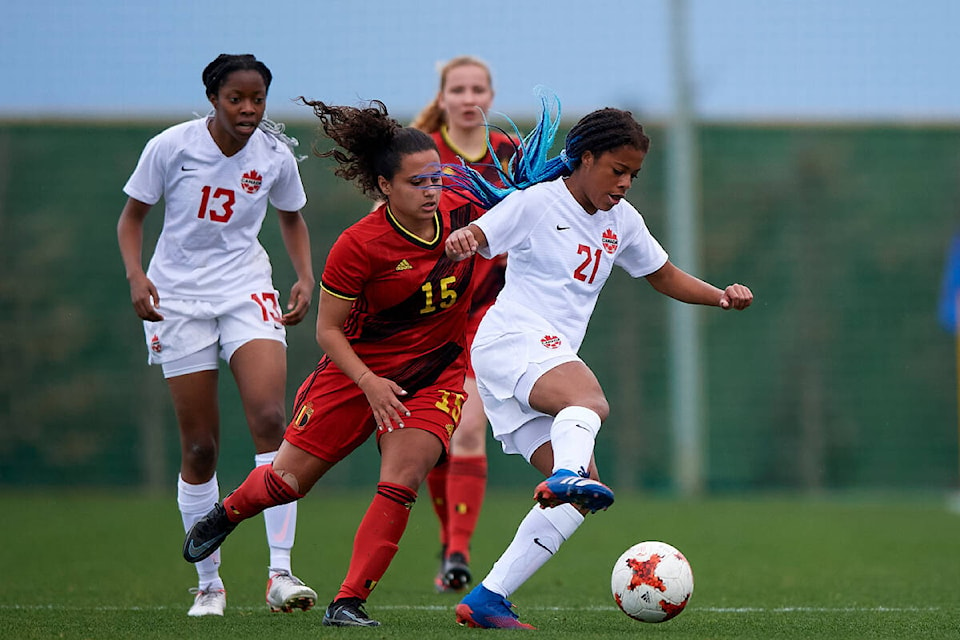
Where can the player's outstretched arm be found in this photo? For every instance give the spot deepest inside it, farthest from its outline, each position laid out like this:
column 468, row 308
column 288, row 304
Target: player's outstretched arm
column 680, row 285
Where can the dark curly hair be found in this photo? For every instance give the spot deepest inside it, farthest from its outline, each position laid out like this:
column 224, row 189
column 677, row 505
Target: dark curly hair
column 370, row 142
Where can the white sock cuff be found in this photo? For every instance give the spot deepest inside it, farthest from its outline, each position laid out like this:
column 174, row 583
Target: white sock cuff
column 192, row 498
column 582, row 416
column 564, row 518
column 264, row 458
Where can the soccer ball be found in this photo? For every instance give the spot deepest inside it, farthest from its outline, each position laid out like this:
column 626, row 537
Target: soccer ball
column 652, row 582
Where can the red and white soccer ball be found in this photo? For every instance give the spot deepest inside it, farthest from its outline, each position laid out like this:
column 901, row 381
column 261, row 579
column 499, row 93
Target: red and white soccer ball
column 652, row 582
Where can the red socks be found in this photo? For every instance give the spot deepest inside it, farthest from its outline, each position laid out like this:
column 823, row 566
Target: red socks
column 466, row 486
column 262, row 489
column 437, row 484
column 377, row 539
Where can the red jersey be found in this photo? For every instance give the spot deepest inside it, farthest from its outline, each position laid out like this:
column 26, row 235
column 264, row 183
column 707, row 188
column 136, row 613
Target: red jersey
column 410, row 302
column 488, row 273
column 503, row 147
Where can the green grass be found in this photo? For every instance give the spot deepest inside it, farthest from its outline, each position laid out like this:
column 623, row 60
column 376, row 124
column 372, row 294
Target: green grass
column 95, row 566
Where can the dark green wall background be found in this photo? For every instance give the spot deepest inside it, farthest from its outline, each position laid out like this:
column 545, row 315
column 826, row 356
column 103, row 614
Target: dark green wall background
column 839, row 377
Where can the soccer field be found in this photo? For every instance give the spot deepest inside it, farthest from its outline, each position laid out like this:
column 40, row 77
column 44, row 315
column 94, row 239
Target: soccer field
column 94, row 566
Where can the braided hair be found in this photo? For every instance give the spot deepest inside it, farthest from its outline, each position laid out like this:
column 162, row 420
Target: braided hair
column 597, row 132
column 370, row 142
column 215, row 73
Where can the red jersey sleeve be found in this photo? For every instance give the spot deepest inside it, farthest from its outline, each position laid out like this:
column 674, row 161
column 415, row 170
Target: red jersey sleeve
column 348, row 267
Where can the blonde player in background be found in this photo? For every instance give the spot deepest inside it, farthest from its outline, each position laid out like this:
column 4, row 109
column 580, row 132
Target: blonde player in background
column 208, row 294
column 455, row 121
column 565, row 223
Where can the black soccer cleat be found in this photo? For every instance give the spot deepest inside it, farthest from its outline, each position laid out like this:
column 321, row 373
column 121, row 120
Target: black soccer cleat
column 456, row 572
column 347, row 612
column 207, row 534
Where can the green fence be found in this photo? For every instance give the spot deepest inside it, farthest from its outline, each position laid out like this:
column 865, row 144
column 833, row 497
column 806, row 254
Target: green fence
column 839, row 377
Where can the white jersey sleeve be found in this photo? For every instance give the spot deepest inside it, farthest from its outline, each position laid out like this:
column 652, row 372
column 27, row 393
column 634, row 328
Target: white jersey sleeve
column 287, row 193
column 148, row 181
column 508, row 223
column 641, row 254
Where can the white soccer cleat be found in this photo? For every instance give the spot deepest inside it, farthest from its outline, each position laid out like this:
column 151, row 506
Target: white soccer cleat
column 287, row 592
column 209, row 602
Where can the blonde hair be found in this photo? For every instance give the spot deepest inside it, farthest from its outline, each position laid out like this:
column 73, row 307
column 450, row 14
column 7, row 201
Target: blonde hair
column 432, row 117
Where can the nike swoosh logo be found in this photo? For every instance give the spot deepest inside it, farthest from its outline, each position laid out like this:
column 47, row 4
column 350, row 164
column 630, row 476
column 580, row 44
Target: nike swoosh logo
column 280, row 535
column 183, row 168
column 196, row 551
column 559, row 228
column 537, row 542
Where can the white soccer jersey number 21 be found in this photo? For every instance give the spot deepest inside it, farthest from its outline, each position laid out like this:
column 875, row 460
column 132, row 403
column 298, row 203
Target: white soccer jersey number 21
column 592, row 256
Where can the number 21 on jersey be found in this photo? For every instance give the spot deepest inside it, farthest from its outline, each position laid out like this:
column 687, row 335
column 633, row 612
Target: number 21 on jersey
column 589, row 265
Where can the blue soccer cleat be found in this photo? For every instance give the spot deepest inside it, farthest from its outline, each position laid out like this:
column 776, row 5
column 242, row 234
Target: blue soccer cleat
column 484, row 609
column 566, row 486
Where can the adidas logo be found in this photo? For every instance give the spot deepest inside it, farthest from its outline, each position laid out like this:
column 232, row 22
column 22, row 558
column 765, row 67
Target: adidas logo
column 403, row 265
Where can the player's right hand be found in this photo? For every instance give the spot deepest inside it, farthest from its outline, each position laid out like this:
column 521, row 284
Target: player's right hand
column 383, row 395
column 145, row 298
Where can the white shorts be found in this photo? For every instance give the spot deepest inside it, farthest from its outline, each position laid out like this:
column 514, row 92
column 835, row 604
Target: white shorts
column 507, row 363
column 528, row 437
column 192, row 326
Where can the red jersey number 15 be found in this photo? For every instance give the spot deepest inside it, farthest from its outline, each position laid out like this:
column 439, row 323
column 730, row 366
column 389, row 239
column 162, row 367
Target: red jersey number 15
column 445, row 295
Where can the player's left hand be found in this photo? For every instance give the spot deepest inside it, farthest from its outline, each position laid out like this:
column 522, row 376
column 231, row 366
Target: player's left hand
column 736, row 296
column 300, row 296
column 461, row 244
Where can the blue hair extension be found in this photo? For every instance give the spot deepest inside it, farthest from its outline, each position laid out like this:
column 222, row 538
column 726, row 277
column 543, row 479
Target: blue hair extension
column 528, row 166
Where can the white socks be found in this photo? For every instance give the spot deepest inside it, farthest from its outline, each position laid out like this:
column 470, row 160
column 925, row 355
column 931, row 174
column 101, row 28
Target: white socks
column 572, row 437
column 281, row 524
column 538, row 537
column 195, row 500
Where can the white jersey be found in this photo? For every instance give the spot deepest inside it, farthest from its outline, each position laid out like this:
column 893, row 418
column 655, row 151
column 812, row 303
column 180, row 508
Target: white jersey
column 559, row 257
column 214, row 208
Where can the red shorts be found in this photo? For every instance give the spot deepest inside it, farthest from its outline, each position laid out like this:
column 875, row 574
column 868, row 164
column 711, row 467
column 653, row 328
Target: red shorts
column 332, row 416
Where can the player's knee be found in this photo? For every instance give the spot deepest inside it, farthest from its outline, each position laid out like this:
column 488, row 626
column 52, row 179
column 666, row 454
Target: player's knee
column 470, row 438
column 200, row 457
column 599, row 405
column 289, row 479
column 602, row 409
column 267, row 423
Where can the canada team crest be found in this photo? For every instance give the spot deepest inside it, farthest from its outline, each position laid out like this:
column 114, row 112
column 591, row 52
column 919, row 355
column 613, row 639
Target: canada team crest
column 610, row 241
column 155, row 345
column 251, row 181
column 551, row 342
